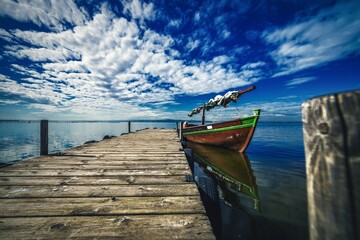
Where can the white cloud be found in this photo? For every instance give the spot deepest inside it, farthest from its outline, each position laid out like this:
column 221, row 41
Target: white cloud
column 225, row 33
column 69, row 66
column 4, row 78
column 220, row 24
column 41, row 91
column 192, row 44
column 43, row 54
column 175, row 23
column 9, row 102
column 290, row 110
column 51, row 14
column 254, row 65
column 110, row 64
column 297, row 81
column 197, row 17
column 138, row 10
column 332, row 34
column 287, row 97
column 5, row 35
column 223, row 59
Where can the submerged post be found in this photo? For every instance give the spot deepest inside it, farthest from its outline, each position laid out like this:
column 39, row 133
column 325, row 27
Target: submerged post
column 331, row 127
column 44, row 137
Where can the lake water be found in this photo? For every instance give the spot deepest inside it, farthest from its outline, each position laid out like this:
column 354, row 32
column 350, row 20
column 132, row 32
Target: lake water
column 263, row 195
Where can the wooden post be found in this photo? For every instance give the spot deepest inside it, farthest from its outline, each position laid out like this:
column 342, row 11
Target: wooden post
column 44, row 137
column 177, row 128
column 331, row 127
column 129, row 127
column 181, row 131
column 203, row 115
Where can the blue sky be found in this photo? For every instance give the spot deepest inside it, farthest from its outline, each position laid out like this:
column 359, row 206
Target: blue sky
column 120, row 60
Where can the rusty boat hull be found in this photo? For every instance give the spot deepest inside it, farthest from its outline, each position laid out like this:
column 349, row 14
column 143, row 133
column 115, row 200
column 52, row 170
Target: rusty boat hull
column 235, row 134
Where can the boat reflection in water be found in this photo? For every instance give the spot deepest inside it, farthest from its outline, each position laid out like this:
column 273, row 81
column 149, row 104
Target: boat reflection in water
column 233, row 172
column 226, row 179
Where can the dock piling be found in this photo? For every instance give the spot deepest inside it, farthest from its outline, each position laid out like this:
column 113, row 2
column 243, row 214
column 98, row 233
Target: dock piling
column 331, row 127
column 44, row 137
column 181, row 131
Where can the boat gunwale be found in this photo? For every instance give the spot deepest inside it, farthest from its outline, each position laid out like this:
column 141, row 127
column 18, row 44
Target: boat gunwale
column 256, row 114
column 248, row 125
column 240, row 125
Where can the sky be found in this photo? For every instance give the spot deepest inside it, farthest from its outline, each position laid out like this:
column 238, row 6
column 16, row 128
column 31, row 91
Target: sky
column 138, row 60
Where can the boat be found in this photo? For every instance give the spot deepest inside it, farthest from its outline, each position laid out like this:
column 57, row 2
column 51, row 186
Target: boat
column 234, row 134
column 233, row 172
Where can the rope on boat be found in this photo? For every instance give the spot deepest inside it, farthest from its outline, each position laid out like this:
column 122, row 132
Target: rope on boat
column 219, row 100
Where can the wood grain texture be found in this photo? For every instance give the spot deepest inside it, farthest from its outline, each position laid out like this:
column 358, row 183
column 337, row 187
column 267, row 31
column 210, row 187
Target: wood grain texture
column 100, row 166
column 100, row 206
column 129, row 187
column 91, row 172
column 97, row 191
column 91, row 180
column 331, row 136
column 179, row 226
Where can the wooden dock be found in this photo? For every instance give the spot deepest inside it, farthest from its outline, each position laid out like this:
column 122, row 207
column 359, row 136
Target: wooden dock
column 130, row 187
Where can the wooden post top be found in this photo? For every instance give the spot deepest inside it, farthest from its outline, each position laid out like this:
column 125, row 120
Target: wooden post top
column 331, row 127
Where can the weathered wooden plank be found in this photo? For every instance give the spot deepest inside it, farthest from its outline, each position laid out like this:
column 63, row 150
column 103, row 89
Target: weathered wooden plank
column 32, row 207
column 126, row 145
column 114, row 154
column 179, row 226
column 98, row 147
column 103, row 162
column 97, row 191
column 120, row 145
column 46, row 166
column 98, row 172
column 115, row 149
column 99, row 180
column 119, row 157
column 331, row 135
column 122, row 142
column 104, row 159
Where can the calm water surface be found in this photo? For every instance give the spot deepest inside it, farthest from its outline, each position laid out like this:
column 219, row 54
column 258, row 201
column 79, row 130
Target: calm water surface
column 263, row 195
